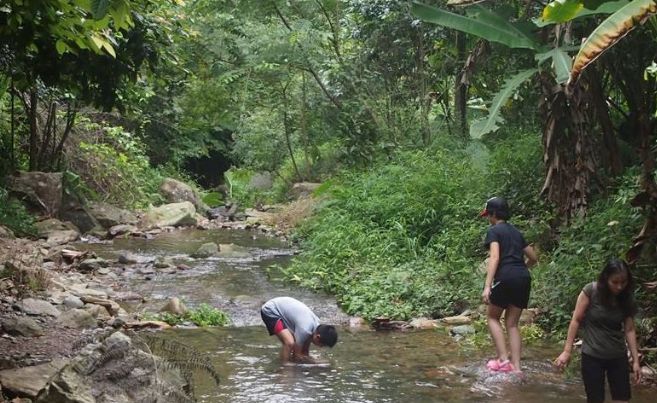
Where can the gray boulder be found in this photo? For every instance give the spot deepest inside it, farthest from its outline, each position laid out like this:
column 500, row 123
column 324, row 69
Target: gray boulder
column 175, row 306
column 37, row 307
column 41, row 191
column 175, row 191
column 77, row 319
column 22, row 326
column 170, row 215
column 303, row 189
column 6, row 233
column 261, row 181
column 28, row 381
column 109, row 216
column 57, row 232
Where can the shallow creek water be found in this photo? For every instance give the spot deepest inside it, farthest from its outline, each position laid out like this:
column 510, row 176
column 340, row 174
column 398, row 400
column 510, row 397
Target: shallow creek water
column 365, row 366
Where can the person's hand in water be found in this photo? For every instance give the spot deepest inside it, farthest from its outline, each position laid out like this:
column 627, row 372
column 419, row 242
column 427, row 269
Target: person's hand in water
column 562, row 360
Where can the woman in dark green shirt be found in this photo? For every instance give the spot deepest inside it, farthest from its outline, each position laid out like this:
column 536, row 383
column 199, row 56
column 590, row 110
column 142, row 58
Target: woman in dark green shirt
column 606, row 309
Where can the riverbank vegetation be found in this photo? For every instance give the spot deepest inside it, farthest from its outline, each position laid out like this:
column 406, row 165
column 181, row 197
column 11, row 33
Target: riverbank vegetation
column 411, row 115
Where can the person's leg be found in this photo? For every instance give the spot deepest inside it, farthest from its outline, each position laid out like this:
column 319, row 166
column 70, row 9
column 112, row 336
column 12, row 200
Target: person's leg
column 511, row 319
column 593, row 376
column 496, row 331
column 618, row 376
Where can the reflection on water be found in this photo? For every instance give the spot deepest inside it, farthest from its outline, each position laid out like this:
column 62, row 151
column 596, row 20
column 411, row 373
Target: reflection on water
column 423, row 366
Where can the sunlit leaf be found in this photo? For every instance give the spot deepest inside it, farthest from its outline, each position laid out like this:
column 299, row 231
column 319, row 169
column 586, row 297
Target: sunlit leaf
column 485, row 24
column 610, row 31
column 463, row 2
column 562, row 10
column 608, row 7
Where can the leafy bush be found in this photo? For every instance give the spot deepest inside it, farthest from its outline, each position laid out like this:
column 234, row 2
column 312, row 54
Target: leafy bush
column 114, row 167
column 405, row 239
column 203, row 316
column 584, row 248
column 15, row 216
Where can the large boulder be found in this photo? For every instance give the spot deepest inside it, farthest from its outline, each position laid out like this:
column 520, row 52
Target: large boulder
column 74, row 210
column 206, row 250
column 6, row 233
column 40, row 191
column 303, row 189
column 21, row 326
column 170, row 215
column 114, row 371
column 175, row 191
column 261, row 181
column 37, row 307
column 109, row 216
column 57, row 232
column 28, row 381
column 77, row 319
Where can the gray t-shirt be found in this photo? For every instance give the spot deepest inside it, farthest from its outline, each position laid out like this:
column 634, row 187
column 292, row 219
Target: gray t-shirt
column 295, row 315
column 602, row 331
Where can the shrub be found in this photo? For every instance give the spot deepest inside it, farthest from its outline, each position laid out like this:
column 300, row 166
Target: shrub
column 15, row 216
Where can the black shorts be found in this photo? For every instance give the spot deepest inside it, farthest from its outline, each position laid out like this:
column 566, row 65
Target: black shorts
column 618, row 376
column 512, row 291
column 271, row 322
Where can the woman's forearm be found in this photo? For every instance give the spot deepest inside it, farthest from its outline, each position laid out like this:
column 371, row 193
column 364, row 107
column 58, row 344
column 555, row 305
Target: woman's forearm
column 573, row 327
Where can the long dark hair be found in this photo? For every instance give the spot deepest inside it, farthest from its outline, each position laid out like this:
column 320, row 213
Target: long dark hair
column 625, row 299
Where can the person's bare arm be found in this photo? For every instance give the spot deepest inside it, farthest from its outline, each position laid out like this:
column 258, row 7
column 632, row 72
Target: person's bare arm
column 630, row 336
column 491, row 268
column 578, row 316
column 530, row 253
column 301, row 353
column 287, row 339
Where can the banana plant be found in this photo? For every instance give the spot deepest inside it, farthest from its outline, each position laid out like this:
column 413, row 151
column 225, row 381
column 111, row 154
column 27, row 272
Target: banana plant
column 491, row 26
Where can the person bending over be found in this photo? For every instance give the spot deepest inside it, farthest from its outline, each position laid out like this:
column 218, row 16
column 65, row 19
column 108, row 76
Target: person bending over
column 296, row 326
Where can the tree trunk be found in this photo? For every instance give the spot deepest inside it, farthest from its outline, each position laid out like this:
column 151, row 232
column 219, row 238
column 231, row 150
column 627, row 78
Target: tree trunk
column 611, row 152
column 34, row 130
column 460, row 89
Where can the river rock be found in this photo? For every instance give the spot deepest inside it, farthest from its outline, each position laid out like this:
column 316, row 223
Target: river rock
column 110, row 216
column 423, row 323
column 77, row 319
column 127, row 258
column 456, row 320
column 357, row 322
column 73, row 302
column 175, row 306
column 463, row 330
column 206, row 250
column 22, row 326
column 37, row 307
column 89, row 265
column 112, row 307
column 174, row 215
column 175, row 191
column 122, row 229
column 40, row 191
column 82, row 290
column 98, row 312
column 28, row 381
column 6, row 233
column 303, row 189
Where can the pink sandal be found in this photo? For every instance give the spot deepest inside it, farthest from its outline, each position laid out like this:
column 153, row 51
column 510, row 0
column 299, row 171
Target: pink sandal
column 500, row 366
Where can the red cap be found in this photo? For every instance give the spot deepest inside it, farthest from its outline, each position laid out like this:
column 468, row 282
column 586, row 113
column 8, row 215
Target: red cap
column 484, row 213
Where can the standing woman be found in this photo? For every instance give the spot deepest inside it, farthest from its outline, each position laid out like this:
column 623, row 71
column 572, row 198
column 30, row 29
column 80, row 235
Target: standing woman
column 508, row 283
column 609, row 308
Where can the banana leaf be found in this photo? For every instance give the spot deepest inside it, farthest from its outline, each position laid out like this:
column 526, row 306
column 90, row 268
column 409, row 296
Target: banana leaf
column 610, row 31
column 477, row 131
column 484, row 24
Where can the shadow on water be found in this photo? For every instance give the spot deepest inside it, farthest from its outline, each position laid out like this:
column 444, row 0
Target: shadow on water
column 365, row 366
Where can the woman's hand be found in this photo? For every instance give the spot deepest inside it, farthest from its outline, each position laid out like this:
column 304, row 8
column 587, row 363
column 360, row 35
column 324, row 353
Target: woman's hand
column 562, row 360
column 636, row 368
column 485, row 295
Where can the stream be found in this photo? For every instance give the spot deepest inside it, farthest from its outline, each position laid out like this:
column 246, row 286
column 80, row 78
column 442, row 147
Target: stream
column 365, row 365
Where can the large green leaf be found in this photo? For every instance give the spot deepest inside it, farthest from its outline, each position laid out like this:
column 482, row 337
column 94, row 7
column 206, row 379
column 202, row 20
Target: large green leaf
column 608, row 7
column 484, row 24
column 562, row 10
column 610, row 31
column 510, row 86
column 99, row 8
column 463, row 2
column 561, row 62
